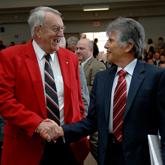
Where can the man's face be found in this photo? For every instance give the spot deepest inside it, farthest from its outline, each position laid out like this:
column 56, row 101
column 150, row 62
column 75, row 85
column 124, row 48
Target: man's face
column 114, row 51
column 160, row 41
column 82, row 50
column 162, row 58
column 72, row 47
column 162, row 51
column 150, row 61
column 49, row 39
column 162, row 65
column 157, row 55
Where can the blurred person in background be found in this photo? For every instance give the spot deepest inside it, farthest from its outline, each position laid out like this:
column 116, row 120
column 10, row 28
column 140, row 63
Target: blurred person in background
column 72, row 41
column 1, row 45
column 95, row 48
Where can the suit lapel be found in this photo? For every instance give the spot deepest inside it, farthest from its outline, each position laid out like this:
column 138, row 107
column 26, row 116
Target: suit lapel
column 65, row 65
column 88, row 64
column 107, row 90
column 35, row 75
column 136, row 82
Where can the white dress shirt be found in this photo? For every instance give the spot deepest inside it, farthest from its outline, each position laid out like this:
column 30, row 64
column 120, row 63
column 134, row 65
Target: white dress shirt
column 57, row 76
column 129, row 69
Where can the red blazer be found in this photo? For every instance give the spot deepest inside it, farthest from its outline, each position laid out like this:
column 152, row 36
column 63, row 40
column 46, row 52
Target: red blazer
column 22, row 103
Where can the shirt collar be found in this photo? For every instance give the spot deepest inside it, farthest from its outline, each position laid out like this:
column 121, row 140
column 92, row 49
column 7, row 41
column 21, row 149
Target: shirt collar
column 129, row 68
column 39, row 52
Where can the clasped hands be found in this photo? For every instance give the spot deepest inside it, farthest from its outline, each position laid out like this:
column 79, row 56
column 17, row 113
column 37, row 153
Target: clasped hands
column 49, row 130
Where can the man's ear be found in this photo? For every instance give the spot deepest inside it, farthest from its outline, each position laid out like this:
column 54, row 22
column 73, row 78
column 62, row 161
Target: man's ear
column 128, row 47
column 37, row 31
column 91, row 50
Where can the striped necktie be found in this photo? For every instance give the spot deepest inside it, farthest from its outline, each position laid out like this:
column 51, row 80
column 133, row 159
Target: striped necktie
column 119, row 103
column 52, row 105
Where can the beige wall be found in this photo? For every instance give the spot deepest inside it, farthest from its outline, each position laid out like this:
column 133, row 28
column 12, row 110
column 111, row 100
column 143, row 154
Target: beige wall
column 154, row 27
column 32, row 3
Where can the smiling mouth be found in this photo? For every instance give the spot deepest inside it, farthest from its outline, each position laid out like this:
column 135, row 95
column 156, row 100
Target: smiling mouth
column 57, row 41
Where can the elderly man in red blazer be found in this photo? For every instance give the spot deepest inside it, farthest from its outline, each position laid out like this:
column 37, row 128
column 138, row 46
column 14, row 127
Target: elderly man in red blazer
column 23, row 98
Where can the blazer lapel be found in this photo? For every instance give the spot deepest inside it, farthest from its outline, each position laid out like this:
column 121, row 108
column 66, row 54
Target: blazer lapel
column 136, row 82
column 107, row 90
column 36, row 79
column 66, row 74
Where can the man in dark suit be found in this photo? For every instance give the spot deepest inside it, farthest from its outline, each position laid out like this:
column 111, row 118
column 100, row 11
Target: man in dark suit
column 25, row 102
column 95, row 48
column 157, row 58
column 143, row 107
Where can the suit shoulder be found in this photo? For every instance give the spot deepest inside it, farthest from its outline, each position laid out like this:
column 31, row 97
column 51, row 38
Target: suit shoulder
column 103, row 72
column 14, row 52
column 13, row 49
column 64, row 50
column 153, row 68
column 98, row 64
column 67, row 52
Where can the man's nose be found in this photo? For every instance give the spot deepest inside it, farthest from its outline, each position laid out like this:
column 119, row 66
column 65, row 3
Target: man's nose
column 60, row 33
column 105, row 46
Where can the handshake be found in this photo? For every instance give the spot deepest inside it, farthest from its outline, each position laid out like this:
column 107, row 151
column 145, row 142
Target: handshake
column 49, row 130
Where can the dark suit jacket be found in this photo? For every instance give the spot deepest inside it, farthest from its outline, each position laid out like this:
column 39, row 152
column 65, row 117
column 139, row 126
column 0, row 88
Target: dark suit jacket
column 144, row 113
column 22, row 103
column 2, row 125
column 95, row 50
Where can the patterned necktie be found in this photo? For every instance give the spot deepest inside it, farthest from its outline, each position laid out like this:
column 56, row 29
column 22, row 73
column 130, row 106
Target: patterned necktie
column 119, row 103
column 52, row 105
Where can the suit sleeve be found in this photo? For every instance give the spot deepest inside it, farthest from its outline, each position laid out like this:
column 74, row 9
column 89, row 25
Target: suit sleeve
column 161, row 109
column 86, row 126
column 13, row 111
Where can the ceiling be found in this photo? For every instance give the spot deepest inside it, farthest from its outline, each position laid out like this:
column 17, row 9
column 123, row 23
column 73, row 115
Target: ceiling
column 17, row 11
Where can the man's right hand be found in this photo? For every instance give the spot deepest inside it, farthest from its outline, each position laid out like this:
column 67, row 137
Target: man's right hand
column 48, row 129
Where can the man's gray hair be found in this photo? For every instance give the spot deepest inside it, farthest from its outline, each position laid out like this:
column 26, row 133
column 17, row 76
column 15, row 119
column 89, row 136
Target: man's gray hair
column 129, row 31
column 72, row 40
column 37, row 16
column 90, row 44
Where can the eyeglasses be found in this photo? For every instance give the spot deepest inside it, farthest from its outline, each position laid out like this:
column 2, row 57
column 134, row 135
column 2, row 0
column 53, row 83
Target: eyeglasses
column 56, row 28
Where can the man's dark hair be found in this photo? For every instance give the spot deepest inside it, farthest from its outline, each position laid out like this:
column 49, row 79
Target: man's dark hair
column 160, row 38
column 96, row 40
column 150, row 41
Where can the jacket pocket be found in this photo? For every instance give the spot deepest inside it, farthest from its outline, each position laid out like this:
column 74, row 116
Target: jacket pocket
column 10, row 131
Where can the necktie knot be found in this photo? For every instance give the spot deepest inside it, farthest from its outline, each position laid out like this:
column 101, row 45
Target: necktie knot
column 122, row 73
column 47, row 56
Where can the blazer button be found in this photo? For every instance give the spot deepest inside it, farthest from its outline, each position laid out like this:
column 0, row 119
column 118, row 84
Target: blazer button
column 42, row 143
